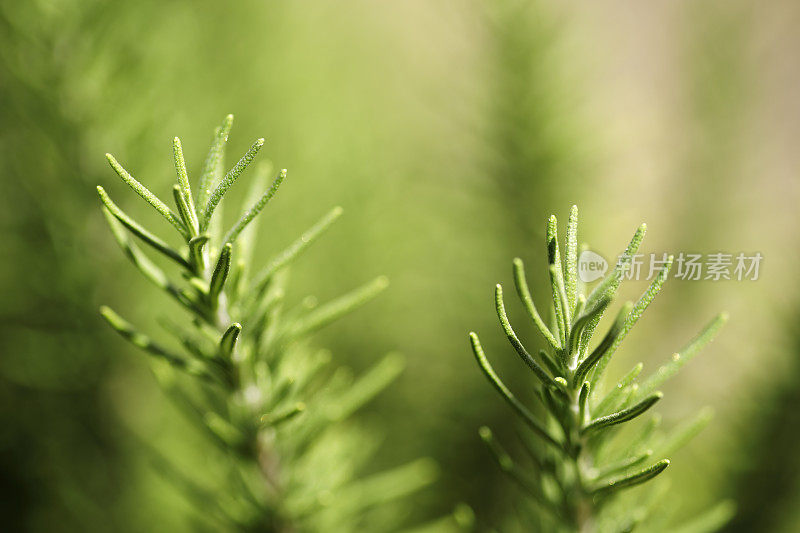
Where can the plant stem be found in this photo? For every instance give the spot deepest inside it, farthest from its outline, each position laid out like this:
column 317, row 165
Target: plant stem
column 580, row 505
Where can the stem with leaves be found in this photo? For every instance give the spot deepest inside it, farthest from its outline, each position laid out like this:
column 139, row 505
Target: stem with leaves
column 582, row 459
column 240, row 364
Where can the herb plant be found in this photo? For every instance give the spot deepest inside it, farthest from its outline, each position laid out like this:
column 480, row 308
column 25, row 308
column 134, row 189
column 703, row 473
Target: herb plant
column 241, row 365
column 583, row 454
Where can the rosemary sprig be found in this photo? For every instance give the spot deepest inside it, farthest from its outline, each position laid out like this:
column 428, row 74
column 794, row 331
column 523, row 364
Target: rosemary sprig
column 569, row 384
column 251, row 381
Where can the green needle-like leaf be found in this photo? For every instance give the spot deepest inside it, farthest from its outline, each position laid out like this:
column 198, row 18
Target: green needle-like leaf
column 625, row 464
column 255, row 210
column 230, row 436
column 378, row 490
column 624, row 415
column 220, row 275
column 228, row 342
column 633, row 479
column 503, row 459
column 368, row 386
column 679, row 436
column 608, row 287
column 633, row 317
column 144, row 342
column 646, row 435
column 331, row 311
column 612, row 399
column 526, row 415
column 685, row 355
column 192, row 342
column 276, row 419
column 556, row 407
column 580, row 305
column 196, row 253
column 514, row 340
column 548, row 361
column 286, row 257
column 144, row 264
column 571, row 258
column 213, row 163
column 185, row 212
column 227, row 181
column 525, row 295
column 148, row 196
column 583, row 402
column 139, row 231
column 531, row 487
column 247, row 239
column 562, row 308
column 183, row 180
column 507, row 465
column 147, row 267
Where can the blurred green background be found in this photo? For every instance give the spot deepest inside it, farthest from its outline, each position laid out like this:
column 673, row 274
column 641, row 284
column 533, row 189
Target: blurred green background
column 448, row 131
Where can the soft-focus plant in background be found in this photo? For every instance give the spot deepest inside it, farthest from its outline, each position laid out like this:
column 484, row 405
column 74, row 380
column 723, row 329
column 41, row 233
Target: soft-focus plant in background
column 241, row 366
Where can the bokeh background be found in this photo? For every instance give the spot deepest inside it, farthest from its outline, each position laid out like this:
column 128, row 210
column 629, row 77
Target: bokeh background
column 448, row 131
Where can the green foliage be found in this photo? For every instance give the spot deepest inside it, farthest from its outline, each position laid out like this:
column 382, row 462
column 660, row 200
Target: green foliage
column 241, row 365
column 64, row 474
column 583, row 457
column 765, row 473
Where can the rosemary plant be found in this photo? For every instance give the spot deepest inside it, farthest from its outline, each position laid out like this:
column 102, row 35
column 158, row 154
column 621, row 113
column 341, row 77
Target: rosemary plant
column 241, row 366
column 582, row 457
